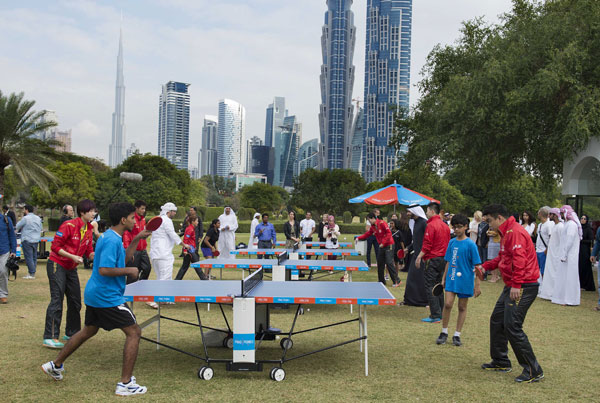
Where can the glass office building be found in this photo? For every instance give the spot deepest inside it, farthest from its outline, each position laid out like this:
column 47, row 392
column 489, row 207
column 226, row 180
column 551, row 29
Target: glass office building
column 174, row 123
column 207, row 157
column 231, row 136
column 337, row 81
column 387, row 81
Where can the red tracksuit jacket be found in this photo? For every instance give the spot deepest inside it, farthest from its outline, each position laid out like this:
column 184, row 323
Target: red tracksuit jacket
column 68, row 237
column 436, row 239
column 382, row 233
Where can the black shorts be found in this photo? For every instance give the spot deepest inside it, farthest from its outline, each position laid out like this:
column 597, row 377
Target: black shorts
column 116, row 317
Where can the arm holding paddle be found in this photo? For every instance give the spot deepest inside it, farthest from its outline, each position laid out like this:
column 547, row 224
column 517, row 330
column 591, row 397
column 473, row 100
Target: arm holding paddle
column 478, row 277
column 129, row 252
column 444, row 276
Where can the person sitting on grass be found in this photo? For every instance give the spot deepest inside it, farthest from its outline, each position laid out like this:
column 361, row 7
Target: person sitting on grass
column 461, row 258
column 103, row 297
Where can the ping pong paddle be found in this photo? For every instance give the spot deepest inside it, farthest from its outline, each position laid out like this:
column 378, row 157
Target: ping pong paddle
column 479, row 272
column 437, row 290
column 154, row 223
column 216, row 253
column 400, row 254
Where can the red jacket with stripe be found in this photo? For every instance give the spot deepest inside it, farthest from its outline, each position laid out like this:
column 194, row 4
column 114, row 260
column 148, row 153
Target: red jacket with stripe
column 436, row 239
column 68, row 237
column 382, row 233
column 517, row 260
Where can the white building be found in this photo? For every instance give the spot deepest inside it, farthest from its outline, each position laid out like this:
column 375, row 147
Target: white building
column 231, row 138
column 207, row 156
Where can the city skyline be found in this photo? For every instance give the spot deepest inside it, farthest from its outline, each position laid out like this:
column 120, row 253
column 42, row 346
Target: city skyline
column 74, row 46
column 174, row 124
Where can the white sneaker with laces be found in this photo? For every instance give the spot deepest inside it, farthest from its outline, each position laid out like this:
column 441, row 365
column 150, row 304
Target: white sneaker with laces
column 130, row 389
column 53, row 371
column 28, row 277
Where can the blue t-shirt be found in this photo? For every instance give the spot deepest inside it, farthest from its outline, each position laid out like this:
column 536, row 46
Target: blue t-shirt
column 462, row 257
column 103, row 291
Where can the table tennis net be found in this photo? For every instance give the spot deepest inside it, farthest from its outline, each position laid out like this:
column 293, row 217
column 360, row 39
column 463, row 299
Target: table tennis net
column 251, row 281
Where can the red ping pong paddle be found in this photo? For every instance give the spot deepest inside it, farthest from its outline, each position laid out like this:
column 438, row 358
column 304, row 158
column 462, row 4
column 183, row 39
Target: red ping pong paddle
column 216, row 253
column 479, row 272
column 400, row 254
column 154, row 223
column 437, row 290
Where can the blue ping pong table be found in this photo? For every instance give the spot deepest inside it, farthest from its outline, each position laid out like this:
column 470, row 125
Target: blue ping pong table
column 300, row 252
column 252, row 299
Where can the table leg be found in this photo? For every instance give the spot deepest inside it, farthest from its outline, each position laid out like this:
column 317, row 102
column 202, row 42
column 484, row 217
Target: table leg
column 360, row 326
column 158, row 328
column 350, row 279
column 366, row 340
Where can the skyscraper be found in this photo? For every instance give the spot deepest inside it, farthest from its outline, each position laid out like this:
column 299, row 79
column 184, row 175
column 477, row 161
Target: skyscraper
column 275, row 114
column 207, row 157
column 307, row 156
column 230, row 139
column 337, row 81
column 174, row 123
column 287, row 144
column 356, row 146
column 117, row 145
column 387, row 81
column 262, row 161
column 254, row 141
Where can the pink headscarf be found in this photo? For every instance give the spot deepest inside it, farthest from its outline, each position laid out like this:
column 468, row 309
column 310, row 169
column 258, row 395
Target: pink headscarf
column 331, row 221
column 556, row 212
column 570, row 214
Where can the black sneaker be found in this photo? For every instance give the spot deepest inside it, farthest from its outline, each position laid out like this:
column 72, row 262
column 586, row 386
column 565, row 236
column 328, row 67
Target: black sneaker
column 492, row 366
column 526, row 378
column 442, row 338
column 456, row 341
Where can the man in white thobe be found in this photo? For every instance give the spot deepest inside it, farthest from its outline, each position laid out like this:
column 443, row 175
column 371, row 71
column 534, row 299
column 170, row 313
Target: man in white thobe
column 229, row 225
column 553, row 253
column 253, row 241
column 163, row 241
column 567, row 290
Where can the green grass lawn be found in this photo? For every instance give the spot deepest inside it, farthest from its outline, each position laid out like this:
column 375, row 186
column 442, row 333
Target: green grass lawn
column 404, row 361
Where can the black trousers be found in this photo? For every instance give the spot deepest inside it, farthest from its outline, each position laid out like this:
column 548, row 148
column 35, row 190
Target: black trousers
column 264, row 245
column 62, row 282
column 434, row 271
column 190, row 257
column 142, row 262
column 385, row 257
column 372, row 243
column 506, row 325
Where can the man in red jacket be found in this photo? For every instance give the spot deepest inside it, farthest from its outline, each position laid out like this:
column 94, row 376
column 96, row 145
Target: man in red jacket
column 435, row 243
column 140, row 258
column 517, row 262
column 385, row 256
column 72, row 241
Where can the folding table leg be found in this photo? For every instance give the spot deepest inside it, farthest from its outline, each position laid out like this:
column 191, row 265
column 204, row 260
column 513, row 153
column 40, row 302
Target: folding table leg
column 350, row 279
column 360, row 332
column 158, row 329
column 366, row 341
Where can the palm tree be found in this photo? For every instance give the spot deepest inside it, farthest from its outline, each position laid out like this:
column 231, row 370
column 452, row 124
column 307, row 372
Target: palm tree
column 27, row 155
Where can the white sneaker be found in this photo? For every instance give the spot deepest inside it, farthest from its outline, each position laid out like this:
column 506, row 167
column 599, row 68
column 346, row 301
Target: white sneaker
column 28, row 277
column 130, row 389
column 152, row 304
column 53, row 371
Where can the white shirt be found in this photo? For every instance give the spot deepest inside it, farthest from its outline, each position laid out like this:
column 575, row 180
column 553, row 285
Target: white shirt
column 163, row 240
column 473, row 229
column 544, row 231
column 529, row 228
column 306, row 228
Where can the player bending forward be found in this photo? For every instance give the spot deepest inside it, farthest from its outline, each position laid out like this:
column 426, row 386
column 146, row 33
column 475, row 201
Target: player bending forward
column 461, row 257
column 103, row 297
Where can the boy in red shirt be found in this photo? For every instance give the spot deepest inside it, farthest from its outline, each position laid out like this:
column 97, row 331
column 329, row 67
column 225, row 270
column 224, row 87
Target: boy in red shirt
column 140, row 258
column 190, row 255
column 385, row 256
column 72, row 241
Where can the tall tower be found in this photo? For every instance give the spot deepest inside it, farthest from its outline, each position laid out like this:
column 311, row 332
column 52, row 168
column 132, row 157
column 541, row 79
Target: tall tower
column 337, row 81
column 231, row 134
column 387, row 81
column 174, row 123
column 207, row 163
column 117, row 145
column 276, row 112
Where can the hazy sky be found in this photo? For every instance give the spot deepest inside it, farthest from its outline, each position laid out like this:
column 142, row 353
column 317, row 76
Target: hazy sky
column 62, row 54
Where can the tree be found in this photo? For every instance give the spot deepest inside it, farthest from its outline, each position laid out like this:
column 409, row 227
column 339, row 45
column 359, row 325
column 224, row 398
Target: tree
column 328, row 191
column 263, row 197
column 27, row 155
column 198, row 193
column 218, row 189
column 75, row 181
column 509, row 99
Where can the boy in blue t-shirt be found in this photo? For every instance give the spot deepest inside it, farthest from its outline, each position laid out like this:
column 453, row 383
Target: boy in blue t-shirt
column 459, row 277
column 103, row 297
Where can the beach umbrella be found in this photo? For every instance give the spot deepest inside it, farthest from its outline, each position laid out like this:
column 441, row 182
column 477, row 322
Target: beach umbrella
column 393, row 194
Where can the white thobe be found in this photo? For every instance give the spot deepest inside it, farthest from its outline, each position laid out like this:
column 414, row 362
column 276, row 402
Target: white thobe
column 161, row 249
column 552, row 262
column 253, row 241
column 567, row 290
column 227, row 230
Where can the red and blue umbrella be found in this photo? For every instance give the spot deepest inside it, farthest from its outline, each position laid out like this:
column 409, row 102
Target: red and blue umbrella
column 393, row 194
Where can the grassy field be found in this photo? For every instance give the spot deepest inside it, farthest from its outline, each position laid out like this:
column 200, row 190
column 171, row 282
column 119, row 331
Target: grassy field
column 405, row 364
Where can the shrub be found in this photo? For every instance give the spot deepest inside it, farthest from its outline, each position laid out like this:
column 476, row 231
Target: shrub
column 347, row 217
column 363, row 217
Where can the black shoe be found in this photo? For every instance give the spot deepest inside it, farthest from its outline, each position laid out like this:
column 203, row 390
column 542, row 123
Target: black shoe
column 456, row 341
column 495, row 367
column 526, row 378
column 442, row 338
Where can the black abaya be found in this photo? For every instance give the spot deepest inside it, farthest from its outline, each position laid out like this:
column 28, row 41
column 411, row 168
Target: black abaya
column 586, row 276
column 414, row 293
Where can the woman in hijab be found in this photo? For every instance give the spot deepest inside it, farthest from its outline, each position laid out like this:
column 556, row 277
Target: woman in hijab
column 331, row 232
column 414, row 294
column 586, row 276
column 253, row 241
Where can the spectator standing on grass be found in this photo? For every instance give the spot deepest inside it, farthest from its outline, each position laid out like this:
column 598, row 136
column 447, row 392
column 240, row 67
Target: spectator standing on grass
column 398, row 245
column 10, row 214
column 407, row 240
column 586, row 275
column 30, row 228
column 414, row 294
column 594, row 259
column 72, row 241
column 435, row 242
column 8, row 248
column 209, row 242
column 229, row 224
column 67, row 214
column 566, row 288
column 518, row 263
column 331, row 233
column 307, row 229
column 482, row 240
column 543, row 237
column 253, row 241
column 528, row 222
column 322, row 224
column 554, row 251
column 140, row 257
column 493, row 249
column 265, row 232
column 474, row 226
column 291, row 230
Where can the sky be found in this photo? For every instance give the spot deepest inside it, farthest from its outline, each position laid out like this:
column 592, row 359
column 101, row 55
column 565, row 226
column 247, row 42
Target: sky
column 63, row 55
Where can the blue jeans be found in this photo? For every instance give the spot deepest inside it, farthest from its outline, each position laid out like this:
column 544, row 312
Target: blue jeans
column 30, row 253
column 541, row 257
